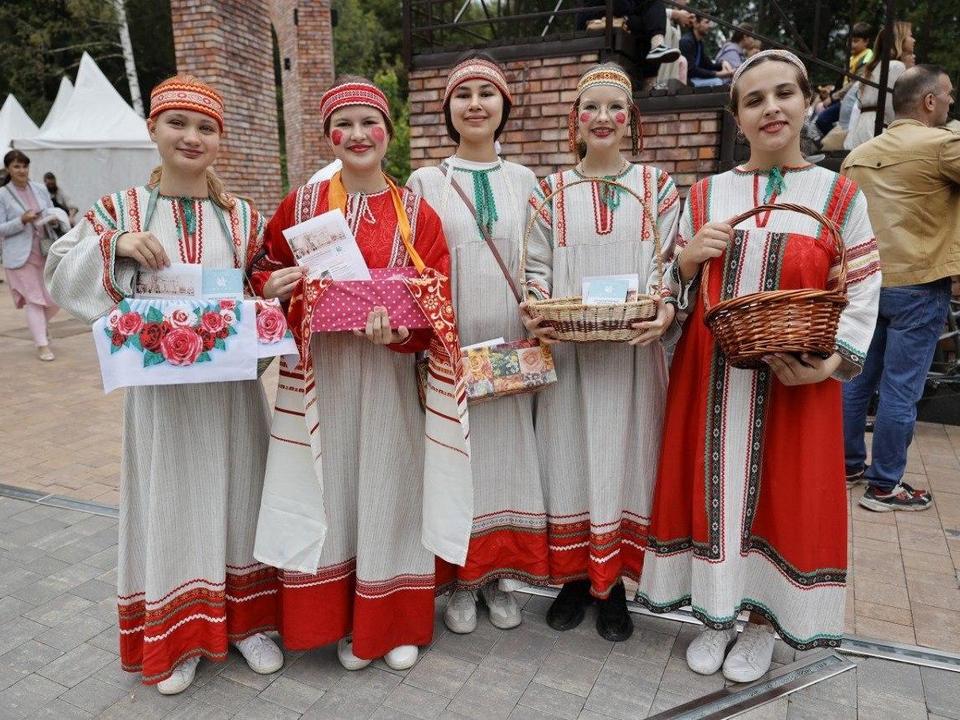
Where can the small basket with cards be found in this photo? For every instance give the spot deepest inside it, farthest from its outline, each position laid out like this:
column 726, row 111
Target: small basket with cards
column 778, row 321
column 573, row 320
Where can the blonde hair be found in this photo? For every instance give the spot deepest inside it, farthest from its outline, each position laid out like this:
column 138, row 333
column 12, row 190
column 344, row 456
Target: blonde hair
column 215, row 188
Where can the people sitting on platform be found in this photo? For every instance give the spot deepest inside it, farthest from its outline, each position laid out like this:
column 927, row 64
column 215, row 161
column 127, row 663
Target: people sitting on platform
column 645, row 19
column 734, row 50
column 701, row 70
column 677, row 20
column 828, row 112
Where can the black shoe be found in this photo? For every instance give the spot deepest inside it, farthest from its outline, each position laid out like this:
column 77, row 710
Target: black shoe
column 613, row 620
column 663, row 54
column 901, row 497
column 567, row 610
column 855, row 476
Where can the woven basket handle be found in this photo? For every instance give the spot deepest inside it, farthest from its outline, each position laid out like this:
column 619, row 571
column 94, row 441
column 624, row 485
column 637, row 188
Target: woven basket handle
column 802, row 209
column 657, row 247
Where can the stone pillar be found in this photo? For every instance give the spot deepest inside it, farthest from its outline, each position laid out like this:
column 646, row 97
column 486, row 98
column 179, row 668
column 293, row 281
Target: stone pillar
column 305, row 39
column 228, row 44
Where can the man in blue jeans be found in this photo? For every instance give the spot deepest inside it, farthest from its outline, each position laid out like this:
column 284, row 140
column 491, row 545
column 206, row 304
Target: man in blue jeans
column 911, row 177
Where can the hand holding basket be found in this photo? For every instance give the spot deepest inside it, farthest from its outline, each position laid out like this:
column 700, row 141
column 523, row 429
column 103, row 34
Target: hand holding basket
column 751, row 326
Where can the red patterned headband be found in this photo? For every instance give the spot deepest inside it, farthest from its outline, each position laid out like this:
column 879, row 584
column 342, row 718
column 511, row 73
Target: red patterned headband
column 477, row 69
column 349, row 94
column 182, row 94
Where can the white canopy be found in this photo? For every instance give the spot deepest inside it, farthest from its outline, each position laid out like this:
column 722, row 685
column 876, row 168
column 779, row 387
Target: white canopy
column 14, row 123
column 59, row 104
column 93, row 141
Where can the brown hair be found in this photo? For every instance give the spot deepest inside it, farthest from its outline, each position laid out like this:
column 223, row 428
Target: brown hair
column 9, row 159
column 901, row 30
column 348, row 78
column 802, row 80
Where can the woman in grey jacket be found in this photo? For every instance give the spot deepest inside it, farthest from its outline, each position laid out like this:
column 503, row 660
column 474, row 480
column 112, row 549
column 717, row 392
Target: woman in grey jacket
column 24, row 209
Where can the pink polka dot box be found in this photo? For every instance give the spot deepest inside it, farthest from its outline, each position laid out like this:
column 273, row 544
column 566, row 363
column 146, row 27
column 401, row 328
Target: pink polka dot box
column 346, row 303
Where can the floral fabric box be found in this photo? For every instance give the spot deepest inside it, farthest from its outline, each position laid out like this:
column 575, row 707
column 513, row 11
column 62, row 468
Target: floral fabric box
column 345, row 304
column 511, row 368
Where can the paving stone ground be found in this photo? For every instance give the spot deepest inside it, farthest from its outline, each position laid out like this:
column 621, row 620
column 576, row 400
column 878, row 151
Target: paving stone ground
column 58, row 659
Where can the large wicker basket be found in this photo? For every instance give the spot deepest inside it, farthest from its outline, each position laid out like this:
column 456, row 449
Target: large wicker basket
column 570, row 318
column 778, row 321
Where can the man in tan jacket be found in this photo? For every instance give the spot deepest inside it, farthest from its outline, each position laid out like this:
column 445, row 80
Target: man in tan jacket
column 911, row 177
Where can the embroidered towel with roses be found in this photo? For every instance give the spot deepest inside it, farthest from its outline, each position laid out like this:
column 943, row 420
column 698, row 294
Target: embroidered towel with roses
column 175, row 342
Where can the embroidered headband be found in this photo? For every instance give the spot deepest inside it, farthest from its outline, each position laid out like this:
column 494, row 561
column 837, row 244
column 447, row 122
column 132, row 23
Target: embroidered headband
column 353, row 93
column 784, row 55
column 186, row 93
column 477, row 69
column 608, row 76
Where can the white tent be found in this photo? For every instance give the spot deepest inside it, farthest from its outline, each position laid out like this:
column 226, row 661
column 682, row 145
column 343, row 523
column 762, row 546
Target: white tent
column 96, row 144
column 59, row 104
column 14, row 123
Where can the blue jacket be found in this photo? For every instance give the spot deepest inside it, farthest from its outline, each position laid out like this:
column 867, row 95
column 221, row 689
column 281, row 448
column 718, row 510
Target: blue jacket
column 17, row 238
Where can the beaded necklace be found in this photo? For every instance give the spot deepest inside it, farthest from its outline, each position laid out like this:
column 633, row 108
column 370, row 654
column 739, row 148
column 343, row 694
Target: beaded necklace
column 483, row 199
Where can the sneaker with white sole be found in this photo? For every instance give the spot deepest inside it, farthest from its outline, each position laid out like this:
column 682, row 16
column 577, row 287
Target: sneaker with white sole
column 855, row 476
column 503, row 607
column 460, row 615
column 706, row 652
column 901, row 497
column 347, row 658
column 663, row 54
column 181, row 677
column 751, row 654
column 402, row 657
column 261, row 653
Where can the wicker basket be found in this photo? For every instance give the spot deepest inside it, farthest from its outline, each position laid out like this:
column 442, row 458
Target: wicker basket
column 778, row 321
column 571, row 319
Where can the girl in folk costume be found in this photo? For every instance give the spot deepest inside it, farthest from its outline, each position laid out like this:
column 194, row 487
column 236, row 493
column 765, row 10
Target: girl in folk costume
column 363, row 487
column 750, row 510
column 508, row 541
column 190, row 486
column 598, row 430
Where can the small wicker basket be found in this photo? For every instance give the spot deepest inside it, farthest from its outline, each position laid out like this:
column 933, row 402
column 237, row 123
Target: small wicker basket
column 778, row 321
column 570, row 318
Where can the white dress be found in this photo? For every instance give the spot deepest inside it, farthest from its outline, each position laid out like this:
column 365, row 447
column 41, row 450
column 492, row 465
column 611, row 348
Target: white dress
column 193, row 455
column 862, row 130
column 598, row 430
column 509, row 539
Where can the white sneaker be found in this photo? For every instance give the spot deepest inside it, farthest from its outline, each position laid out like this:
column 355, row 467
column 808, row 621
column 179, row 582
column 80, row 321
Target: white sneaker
column 751, row 655
column 705, row 654
column 180, row 678
column 402, row 657
column 460, row 615
column 347, row 658
column 261, row 653
column 504, row 610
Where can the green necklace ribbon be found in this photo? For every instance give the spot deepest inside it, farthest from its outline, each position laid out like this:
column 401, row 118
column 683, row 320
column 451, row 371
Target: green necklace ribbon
column 776, row 184
column 483, row 199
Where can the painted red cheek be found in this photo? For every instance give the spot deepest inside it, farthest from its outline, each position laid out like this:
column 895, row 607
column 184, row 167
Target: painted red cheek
column 621, row 118
column 585, row 117
column 337, row 137
column 378, row 134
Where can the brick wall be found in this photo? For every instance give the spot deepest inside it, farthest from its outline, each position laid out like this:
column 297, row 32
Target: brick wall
column 228, row 44
column 685, row 144
column 305, row 39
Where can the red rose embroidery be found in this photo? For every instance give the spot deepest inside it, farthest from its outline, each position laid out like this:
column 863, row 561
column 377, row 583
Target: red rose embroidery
column 271, row 325
column 181, row 346
column 228, row 304
column 208, row 340
column 152, row 334
column 129, row 323
column 117, row 339
column 213, row 323
column 179, row 317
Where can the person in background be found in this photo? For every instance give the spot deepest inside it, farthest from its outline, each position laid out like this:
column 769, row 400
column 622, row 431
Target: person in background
column 862, row 125
column 58, row 197
column 646, row 21
column 828, row 112
column 911, row 177
column 677, row 20
column 701, row 70
column 23, row 207
column 734, row 51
